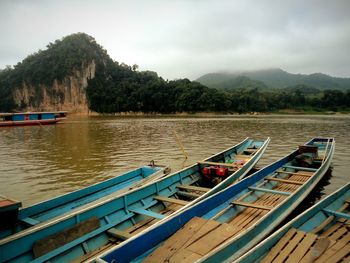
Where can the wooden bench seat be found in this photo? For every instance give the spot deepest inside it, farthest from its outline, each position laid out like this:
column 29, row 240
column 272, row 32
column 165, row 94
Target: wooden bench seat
column 118, row 234
column 193, row 188
column 252, row 205
column 170, row 200
column 284, row 180
column 295, row 173
column 232, row 165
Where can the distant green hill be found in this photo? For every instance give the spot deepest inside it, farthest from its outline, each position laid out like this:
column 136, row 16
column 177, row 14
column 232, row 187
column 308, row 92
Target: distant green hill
column 240, row 82
column 274, row 78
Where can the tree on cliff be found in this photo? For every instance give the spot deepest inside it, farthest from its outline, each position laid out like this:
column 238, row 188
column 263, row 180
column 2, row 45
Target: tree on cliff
column 41, row 69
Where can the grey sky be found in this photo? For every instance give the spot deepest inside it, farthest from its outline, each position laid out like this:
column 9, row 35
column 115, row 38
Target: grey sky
column 189, row 38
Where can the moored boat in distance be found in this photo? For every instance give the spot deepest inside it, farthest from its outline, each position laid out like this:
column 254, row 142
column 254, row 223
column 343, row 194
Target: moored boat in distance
column 320, row 234
column 224, row 226
column 31, row 118
column 63, row 204
column 85, row 232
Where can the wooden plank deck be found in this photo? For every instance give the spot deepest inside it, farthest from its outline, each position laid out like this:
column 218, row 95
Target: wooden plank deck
column 331, row 244
column 200, row 236
column 171, row 200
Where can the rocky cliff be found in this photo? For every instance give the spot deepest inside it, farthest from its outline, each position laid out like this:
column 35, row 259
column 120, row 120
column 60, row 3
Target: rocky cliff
column 67, row 94
column 57, row 78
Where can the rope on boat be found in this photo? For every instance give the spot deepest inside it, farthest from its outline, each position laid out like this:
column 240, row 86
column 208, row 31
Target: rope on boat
column 179, row 143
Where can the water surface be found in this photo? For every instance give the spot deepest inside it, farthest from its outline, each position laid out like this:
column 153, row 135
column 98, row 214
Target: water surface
column 42, row 162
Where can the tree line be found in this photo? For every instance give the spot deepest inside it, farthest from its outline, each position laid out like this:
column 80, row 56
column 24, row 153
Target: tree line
column 118, row 87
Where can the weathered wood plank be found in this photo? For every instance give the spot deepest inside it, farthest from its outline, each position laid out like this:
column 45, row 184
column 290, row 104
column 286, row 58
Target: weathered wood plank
column 188, row 194
column 47, row 244
column 193, row 188
column 279, row 246
column 290, row 247
column 202, row 231
column 295, row 173
column 340, row 232
column 213, row 239
column 176, row 241
column 319, row 247
column 123, row 235
column 302, row 248
column 332, row 250
column 330, row 230
column 244, row 216
column 185, row 256
column 271, row 191
column 253, row 205
column 233, row 165
column 300, row 168
column 331, row 218
column 170, row 200
column 284, row 180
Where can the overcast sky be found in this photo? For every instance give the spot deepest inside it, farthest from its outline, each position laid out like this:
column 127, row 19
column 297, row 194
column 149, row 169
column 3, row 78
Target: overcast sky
column 189, row 38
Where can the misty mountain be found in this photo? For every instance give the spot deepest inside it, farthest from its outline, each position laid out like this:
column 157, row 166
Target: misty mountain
column 274, row 78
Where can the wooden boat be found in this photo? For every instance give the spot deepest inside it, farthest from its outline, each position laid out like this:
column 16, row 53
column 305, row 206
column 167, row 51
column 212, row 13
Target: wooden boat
column 31, row 118
column 24, row 218
column 227, row 224
column 87, row 231
column 320, row 234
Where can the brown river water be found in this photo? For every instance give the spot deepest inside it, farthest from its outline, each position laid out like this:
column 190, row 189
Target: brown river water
column 37, row 163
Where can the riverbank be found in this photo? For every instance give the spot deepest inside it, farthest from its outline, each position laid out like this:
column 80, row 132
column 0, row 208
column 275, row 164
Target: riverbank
column 212, row 114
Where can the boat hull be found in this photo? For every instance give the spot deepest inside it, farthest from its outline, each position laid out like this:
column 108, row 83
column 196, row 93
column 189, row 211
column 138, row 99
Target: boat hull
column 139, row 247
column 135, row 211
column 31, row 118
column 28, row 123
column 307, row 222
column 49, row 209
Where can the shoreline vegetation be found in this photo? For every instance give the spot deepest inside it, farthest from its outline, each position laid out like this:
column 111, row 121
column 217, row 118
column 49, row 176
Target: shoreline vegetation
column 285, row 112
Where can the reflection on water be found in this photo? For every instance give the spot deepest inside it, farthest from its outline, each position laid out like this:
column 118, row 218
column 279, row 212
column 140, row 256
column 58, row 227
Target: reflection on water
column 41, row 162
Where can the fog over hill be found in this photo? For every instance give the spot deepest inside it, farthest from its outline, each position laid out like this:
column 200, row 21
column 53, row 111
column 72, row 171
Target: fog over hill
column 275, row 78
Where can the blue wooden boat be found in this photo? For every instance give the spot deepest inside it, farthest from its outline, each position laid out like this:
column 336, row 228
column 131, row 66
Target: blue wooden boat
column 81, row 234
column 227, row 224
column 49, row 209
column 320, row 234
column 31, row 118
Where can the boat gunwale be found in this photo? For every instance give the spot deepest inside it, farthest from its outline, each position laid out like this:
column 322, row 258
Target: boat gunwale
column 27, row 211
column 54, row 221
column 227, row 191
column 3, row 114
column 297, row 221
column 309, row 185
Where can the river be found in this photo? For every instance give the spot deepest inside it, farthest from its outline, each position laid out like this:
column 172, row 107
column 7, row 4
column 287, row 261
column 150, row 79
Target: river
column 40, row 162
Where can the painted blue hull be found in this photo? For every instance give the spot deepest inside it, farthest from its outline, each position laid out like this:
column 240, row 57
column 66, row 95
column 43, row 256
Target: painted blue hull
column 49, row 209
column 223, row 207
column 31, row 118
column 111, row 221
column 311, row 221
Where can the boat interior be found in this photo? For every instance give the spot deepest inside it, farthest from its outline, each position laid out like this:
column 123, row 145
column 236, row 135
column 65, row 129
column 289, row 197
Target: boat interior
column 201, row 235
column 329, row 241
column 120, row 218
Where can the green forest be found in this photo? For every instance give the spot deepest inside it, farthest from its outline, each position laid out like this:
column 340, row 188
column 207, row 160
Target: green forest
column 118, row 87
